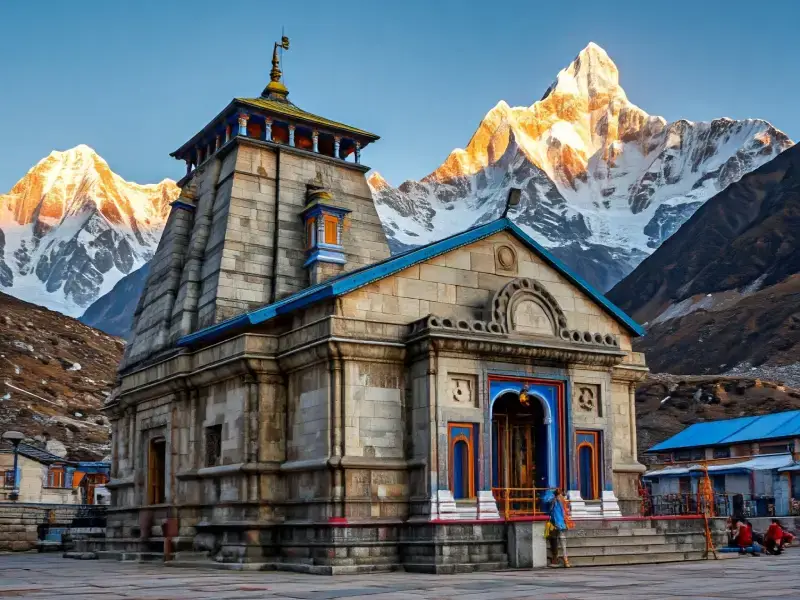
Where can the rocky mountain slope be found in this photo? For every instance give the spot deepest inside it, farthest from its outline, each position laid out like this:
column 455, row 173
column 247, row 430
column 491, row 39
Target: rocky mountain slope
column 667, row 404
column 604, row 183
column 71, row 228
column 113, row 312
column 723, row 293
column 56, row 373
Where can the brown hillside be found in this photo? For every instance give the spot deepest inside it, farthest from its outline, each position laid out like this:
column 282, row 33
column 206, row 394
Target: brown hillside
column 693, row 399
column 55, row 373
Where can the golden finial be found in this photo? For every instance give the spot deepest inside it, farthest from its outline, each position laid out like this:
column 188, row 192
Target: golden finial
column 275, row 90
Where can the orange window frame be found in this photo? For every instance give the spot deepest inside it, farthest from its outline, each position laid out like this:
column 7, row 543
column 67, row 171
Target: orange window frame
column 55, row 477
column 594, row 448
column 331, row 227
column 470, row 471
column 595, row 486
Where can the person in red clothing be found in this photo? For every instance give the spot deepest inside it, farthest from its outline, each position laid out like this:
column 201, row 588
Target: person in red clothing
column 788, row 538
column 743, row 536
column 773, row 540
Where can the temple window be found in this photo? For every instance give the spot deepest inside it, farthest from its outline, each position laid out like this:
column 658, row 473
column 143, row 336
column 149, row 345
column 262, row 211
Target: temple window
column 302, row 139
column 326, row 145
column 463, row 459
column 280, row 133
column 331, row 230
column 55, row 477
column 156, row 470
column 254, row 130
column 323, row 222
column 213, row 445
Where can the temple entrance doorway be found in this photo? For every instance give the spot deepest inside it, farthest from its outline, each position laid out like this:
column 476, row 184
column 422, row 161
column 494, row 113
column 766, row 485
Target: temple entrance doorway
column 519, row 443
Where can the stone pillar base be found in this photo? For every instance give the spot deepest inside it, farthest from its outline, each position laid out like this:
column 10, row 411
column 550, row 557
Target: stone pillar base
column 487, row 507
column 443, row 506
column 577, row 506
column 610, row 505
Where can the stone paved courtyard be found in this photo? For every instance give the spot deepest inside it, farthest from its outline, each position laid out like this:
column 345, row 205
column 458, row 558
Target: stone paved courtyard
column 49, row 576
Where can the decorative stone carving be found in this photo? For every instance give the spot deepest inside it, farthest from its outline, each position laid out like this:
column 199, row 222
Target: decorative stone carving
column 506, row 258
column 587, row 397
column 537, row 304
column 462, row 389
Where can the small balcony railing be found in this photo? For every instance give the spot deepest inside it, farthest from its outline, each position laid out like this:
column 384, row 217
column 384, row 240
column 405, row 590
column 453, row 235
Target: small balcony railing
column 519, row 502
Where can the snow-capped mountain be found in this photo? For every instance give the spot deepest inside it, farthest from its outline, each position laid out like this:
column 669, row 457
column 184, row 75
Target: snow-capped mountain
column 71, row 228
column 603, row 182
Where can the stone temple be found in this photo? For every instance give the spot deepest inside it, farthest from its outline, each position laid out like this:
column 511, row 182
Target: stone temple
column 295, row 397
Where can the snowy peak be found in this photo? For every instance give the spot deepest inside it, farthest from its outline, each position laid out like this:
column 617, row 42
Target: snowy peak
column 604, row 183
column 376, row 181
column 78, row 180
column 71, row 228
column 591, row 75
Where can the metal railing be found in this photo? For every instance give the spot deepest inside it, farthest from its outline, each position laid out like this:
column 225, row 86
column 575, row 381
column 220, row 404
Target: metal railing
column 794, row 507
column 725, row 504
column 519, row 502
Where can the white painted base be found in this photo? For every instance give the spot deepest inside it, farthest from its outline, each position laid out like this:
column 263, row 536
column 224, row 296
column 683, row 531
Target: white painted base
column 487, row 506
column 577, row 507
column 443, row 506
column 610, row 505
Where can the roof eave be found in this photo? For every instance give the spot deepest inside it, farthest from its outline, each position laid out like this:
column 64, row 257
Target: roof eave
column 333, row 125
column 196, row 137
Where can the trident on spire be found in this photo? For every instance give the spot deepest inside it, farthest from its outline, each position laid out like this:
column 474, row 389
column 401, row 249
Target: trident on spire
column 275, row 74
column 276, row 90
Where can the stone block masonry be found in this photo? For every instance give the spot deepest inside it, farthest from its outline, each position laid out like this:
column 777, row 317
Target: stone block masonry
column 19, row 523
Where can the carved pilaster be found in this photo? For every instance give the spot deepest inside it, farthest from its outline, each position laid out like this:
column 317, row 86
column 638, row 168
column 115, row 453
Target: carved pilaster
column 242, row 119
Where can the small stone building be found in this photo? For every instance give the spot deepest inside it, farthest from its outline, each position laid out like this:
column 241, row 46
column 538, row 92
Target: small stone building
column 43, row 477
column 295, row 396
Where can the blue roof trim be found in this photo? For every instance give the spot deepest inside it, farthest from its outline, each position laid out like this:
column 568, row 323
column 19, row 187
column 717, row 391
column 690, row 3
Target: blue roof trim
column 182, row 204
column 347, row 282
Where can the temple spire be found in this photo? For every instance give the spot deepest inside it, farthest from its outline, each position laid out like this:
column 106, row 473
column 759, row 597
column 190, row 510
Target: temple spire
column 275, row 89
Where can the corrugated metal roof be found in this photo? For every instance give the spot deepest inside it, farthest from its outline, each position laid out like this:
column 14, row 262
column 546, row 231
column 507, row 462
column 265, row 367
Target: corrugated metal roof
column 768, row 462
column 38, row 454
column 702, row 434
column 734, row 431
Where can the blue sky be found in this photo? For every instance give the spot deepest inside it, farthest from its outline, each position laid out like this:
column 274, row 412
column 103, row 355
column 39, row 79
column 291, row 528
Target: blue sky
column 134, row 80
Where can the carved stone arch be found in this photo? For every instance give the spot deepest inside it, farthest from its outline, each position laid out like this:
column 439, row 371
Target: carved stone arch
column 510, row 298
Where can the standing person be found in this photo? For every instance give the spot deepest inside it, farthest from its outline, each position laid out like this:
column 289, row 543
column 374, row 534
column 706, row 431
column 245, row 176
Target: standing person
column 559, row 519
column 773, row 540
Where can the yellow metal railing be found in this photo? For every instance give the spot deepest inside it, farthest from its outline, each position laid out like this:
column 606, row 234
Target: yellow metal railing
column 519, row 502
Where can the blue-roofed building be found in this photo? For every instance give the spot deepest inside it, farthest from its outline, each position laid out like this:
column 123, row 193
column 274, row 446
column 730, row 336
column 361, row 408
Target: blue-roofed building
column 294, row 393
column 755, row 458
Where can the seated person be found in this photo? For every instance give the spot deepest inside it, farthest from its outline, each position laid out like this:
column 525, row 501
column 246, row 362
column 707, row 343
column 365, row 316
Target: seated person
column 743, row 537
column 773, row 540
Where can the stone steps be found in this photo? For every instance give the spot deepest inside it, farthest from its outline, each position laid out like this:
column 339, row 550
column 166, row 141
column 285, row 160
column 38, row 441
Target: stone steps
column 452, row 568
column 658, row 548
column 131, row 556
column 580, row 531
column 637, row 559
column 599, row 542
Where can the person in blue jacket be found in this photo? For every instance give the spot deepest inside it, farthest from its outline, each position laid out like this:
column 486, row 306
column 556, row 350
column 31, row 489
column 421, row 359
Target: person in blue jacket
column 559, row 518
